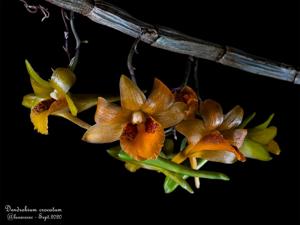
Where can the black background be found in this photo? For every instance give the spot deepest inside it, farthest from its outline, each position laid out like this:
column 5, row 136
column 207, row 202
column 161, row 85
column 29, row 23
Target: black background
column 92, row 188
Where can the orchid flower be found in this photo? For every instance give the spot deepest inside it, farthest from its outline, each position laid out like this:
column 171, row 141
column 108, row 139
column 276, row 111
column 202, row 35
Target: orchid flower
column 215, row 138
column 53, row 98
column 188, row 96
column 139, row 123
column 260, row 141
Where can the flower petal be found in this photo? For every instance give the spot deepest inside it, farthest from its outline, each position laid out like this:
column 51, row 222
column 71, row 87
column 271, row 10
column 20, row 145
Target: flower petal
column 179, row 157
column 110, row 113
column 40, row 112
column 86, row 101
column 73, row 119
column 62, row 80
column 218, row 156
column 189, row 97
column 132, row 98
column 235, row 136
column 192, row 129
column 103, row 133
column 31, row 100
column 132, row 167
column 172, row 116
column 59, row 105
column 273, row 147
column 213, row 141
column 263, row 136
column 233, row 118
column 160, row 99
column 247, row 120
column 212, row 114
column 254, row 150
column 143, row 141
column 72, row 107
column 40, row 87
column 266, row 123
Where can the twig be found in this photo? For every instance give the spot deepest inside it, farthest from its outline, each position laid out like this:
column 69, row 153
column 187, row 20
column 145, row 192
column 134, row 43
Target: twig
column 195, row 73
column 174, row 41
column 132, row 51
column 35, row 8
column 74, row 60
column 188, row 70
column 66, row 34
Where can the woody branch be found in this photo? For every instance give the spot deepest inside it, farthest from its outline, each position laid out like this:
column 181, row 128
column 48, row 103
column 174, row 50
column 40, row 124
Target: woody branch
column 109, row 15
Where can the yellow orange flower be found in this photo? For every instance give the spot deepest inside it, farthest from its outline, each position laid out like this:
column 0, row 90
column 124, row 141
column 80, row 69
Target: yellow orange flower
column 53, row 98
column 139, row 123
column 216, row 137
column 188, row 96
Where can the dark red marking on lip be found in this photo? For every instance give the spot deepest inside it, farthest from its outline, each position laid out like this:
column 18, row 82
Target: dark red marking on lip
column 43, row 105
column 130, row 131
column 150, row 125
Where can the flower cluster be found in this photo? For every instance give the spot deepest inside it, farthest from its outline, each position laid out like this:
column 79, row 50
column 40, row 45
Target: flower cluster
column 142, row 125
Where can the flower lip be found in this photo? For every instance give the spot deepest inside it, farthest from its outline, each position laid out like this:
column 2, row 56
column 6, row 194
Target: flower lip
column 130, row 131
column 150, row 126
column 43, row 105
column 143, row 141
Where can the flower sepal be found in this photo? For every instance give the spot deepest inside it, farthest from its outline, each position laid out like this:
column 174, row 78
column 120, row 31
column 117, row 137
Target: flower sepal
column 259, row 141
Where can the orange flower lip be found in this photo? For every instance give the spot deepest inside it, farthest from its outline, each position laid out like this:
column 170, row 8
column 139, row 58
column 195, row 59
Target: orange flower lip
column 150, row 126
column 143, row 141
column 214, row 142
column 130, row 131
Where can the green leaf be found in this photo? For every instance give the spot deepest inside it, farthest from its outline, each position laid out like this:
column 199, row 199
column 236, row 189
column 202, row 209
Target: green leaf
column 170, row 185
column 254, row 150
column 262, row 136
column 168, row 165
column 176, row 180
column 133, row 165
column 265, row 124
column 247, row 120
